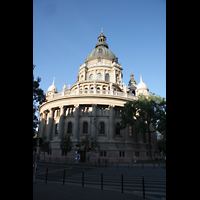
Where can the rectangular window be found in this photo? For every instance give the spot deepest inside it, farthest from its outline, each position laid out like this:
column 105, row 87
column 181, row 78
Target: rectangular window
column 103, row 111
column 137, row 153
column 64, row 153
column 103, row 153
column 121, row 154
column 130, row 130
column 49, row 152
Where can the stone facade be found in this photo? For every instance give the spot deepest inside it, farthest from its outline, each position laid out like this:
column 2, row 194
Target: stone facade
column 98, row 90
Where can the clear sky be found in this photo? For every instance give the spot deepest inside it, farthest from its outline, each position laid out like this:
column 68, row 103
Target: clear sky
column 66, row 31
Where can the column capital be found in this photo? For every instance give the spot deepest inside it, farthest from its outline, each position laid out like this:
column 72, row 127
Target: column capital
column 111, row 106
column 51, row 109
column 76, row 105
column 62, row 106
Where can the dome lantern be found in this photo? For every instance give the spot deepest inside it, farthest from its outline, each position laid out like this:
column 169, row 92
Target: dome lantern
column 102, row 50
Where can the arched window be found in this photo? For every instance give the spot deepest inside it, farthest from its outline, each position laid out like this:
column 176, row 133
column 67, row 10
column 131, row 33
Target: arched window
column 69, row 128
column 117, row 129
column 107, row 77
column 85, row 127
column 99, row 76
column 102, row 128
column 91, row 77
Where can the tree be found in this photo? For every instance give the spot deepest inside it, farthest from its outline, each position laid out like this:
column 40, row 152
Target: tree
column 144, row 113
column 85, row 143
column 45, row 146
column 66, row 145
column 38, row 98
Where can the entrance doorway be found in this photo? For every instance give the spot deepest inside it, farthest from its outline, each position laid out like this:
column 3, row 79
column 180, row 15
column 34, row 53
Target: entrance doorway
column 83, row 156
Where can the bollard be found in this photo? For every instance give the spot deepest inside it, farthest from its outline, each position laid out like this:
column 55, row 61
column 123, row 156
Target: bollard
column 64, row 177
column 102, row 180
column 143, row 187
column 46, row 175
column 83, row 178
column 122, row 182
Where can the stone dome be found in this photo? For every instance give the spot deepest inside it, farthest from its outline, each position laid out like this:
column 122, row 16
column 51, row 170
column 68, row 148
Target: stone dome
column 142, row 85
column 101, row 50
column 53, row 88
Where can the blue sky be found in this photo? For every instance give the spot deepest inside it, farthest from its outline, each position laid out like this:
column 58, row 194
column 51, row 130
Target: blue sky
column 66, row 31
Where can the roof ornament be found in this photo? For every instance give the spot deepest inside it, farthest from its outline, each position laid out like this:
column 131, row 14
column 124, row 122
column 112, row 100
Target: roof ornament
column 131, row 74
column 53, row 81
column 141, row 78
column 102, row 30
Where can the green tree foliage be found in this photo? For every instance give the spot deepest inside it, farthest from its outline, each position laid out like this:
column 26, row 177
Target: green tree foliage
column 66, row 144
column 45, row 146
column 38, row 98
column 85, row 143
column 144, row 113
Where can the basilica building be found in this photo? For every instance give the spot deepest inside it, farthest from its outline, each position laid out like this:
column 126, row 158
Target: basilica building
column 98, row 94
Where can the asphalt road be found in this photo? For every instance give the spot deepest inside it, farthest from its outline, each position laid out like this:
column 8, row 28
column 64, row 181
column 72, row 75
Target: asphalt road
column 154, row 177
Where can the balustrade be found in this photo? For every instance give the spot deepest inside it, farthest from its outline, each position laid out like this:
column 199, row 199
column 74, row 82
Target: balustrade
column 92, row 91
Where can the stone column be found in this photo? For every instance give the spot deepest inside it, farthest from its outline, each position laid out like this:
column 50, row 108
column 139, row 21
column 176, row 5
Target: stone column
column 49, row 128
column 114, row 76
column 61, row 123
column 94, row 120
column 111, row 124
column 76, row 122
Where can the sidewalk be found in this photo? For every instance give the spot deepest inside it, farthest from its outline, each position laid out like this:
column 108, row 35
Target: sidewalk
column 54, row 191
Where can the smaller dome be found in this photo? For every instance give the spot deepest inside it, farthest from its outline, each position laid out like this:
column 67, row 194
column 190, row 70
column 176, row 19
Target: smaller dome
column 53, row 88
column 142, row 85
